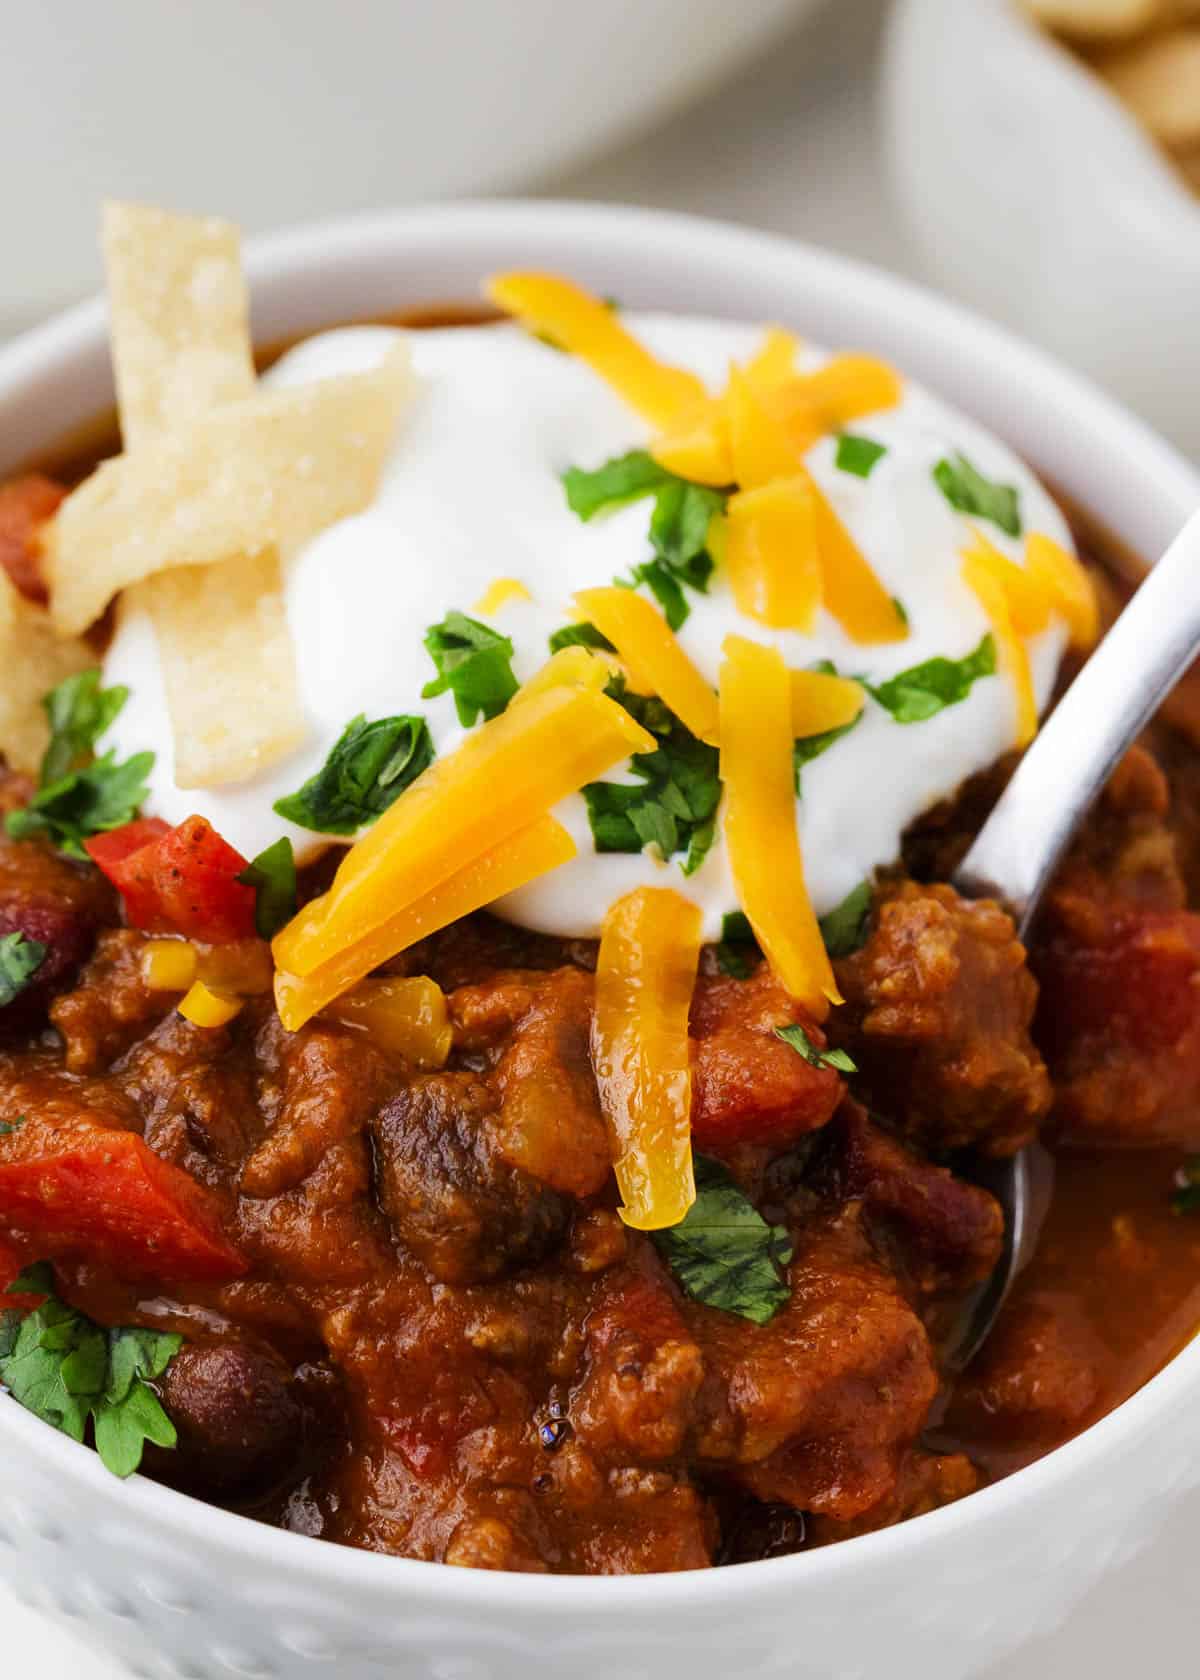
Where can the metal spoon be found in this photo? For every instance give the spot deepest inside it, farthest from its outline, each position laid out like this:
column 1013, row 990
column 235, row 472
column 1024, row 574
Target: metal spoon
column 1015, row 853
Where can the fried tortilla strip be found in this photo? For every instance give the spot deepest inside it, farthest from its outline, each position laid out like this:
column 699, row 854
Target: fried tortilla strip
column 1095, row 21
column 1159, row 81
column 265, row 473
column 33, row 660
column 179, row 318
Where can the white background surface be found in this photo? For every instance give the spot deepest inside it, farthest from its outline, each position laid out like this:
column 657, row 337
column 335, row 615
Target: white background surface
column 791, row 146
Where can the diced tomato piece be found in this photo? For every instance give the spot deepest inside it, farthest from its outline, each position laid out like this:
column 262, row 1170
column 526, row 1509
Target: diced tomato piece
column 178, row 880
column 104, row 1196
column 25, row 504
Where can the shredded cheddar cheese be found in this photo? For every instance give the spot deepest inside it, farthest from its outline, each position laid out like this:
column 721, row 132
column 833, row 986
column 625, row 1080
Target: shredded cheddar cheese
column 499, row 594
column 652, row 654
column 851, row 591
column 1068, row 585
column 645, row 976
column 696, row 447
column 821, row 701
column 1010, row 649
column 1029, row 602
column 760, row 821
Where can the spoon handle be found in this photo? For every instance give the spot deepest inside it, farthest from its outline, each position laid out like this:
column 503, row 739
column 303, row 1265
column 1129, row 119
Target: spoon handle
column 1135, row 667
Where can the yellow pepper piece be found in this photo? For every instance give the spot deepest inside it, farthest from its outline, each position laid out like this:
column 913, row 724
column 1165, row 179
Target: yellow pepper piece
column 242, row 968
column 697, row 445
column 761, row 448
column 168, row 965
column 775, row 359
column 509, row 864
column 570, row 667
column 586, row 327
column 769, row 547
column 499, row 594
column 649, row 649
column 645, row 976
column 849, row 588
column 506, row 774
column 1010, row 649
column 206, row 1008
column 1068, row 585
column 760, row 821
column 407, row 1017
column 1029, row 602
column 821, row 701
column 845, row 389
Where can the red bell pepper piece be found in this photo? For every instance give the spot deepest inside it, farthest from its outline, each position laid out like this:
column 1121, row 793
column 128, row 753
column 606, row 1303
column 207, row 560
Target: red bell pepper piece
column 104, row 1196
column 177, row 880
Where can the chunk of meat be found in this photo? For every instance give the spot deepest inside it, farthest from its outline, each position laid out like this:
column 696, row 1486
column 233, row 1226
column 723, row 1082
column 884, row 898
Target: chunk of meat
column 239, row 1416
column 454, row 1201
column 938, row 1006
column 533, row 1030
column 1127, row 840
column 1119, row 1017
column 25, row 505
column 195, row 1093
column 110, row 1005
column 644, row 1369
column 944, row 1233
column 817, row 1408
column 926, row 1482
column 492, row 1543
column 748, row 1086
column 1038, row 1377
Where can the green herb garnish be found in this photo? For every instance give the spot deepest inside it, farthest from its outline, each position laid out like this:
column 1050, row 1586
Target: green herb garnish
column 844, row 929
column 20, row 959
column 65, row 1369
column 624, row 479
column 798, row 1039
column 966, row 489
column 272, row 874
column 673, row 805
column 79, row 711
column 723, row 1253
column 8, row 1127
column 368, row 768
column 858, row 455
column 475, row 663
column 924, row 690
column 579, row 635
column 1186, row 1196
column 738, row 954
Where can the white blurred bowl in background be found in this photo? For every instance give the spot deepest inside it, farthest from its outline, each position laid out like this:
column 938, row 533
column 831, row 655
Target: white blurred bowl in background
column 1035, row 196
column 283, row 110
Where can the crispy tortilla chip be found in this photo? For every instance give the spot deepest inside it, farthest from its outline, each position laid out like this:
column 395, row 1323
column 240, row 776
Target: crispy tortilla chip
column 1099, row 20
column 1159, row 81
column 227, row 665
column 32, row 661
column 179, row 316
column 267, row 472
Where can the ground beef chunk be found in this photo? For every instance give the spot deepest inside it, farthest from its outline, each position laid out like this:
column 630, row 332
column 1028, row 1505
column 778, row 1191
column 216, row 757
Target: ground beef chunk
column 110, row 1006
column 1127, row 840
column 942, row 1233
column 938, row 1006
column 926, row 1482
column 748, row 1086
column 452, row 1198
column 239, row 1415
column 532, row 1032
column 816, row 1408
column 1039, row 1376
column 25, row 505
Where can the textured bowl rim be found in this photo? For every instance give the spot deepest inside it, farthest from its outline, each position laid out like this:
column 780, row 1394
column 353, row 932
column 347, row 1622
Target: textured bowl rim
column 1093, row 437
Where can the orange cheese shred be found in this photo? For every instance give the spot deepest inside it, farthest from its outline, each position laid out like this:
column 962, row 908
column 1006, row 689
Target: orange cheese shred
column 846, row 388
column 587, row 327
column 1010, row 649
column 645, row 976
column 768, row 543
column 760, row 821
column 570, row 667
column 849, row 587
column 1029, row 601
column 511, row 863
column 505, row 775
column 821, row 701
column 499, row 594
column 697, row 446
column 1068, row 585
column 651, row 652
column 759, row 444
column 775, row 359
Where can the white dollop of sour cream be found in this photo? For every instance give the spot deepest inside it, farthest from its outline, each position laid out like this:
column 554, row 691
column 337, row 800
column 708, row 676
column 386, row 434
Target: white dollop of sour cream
column 471, row 493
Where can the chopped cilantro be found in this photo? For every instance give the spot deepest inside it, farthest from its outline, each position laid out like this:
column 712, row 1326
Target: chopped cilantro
column 475, row 663
column 924, row 690
column 369, row 767
column 844, row 929
column 272, row 874
column 737, row 954
column 664, row 586
column 87, row 801
column 966, row 489
column 65, row 1369
column 626, row 478
column 79, row 711
column 20, row 959
column 798, row 1039
column 723, row 1253
column 579, row 635
column 1186, row 1196
column 901, row 611
column 8, row 1127
column 858, row 455
column 673, row 805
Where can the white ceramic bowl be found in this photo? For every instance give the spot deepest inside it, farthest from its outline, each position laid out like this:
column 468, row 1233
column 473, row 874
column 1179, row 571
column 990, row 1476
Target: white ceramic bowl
column 277, row 110
column 1034, row 195
column 181, row 1589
